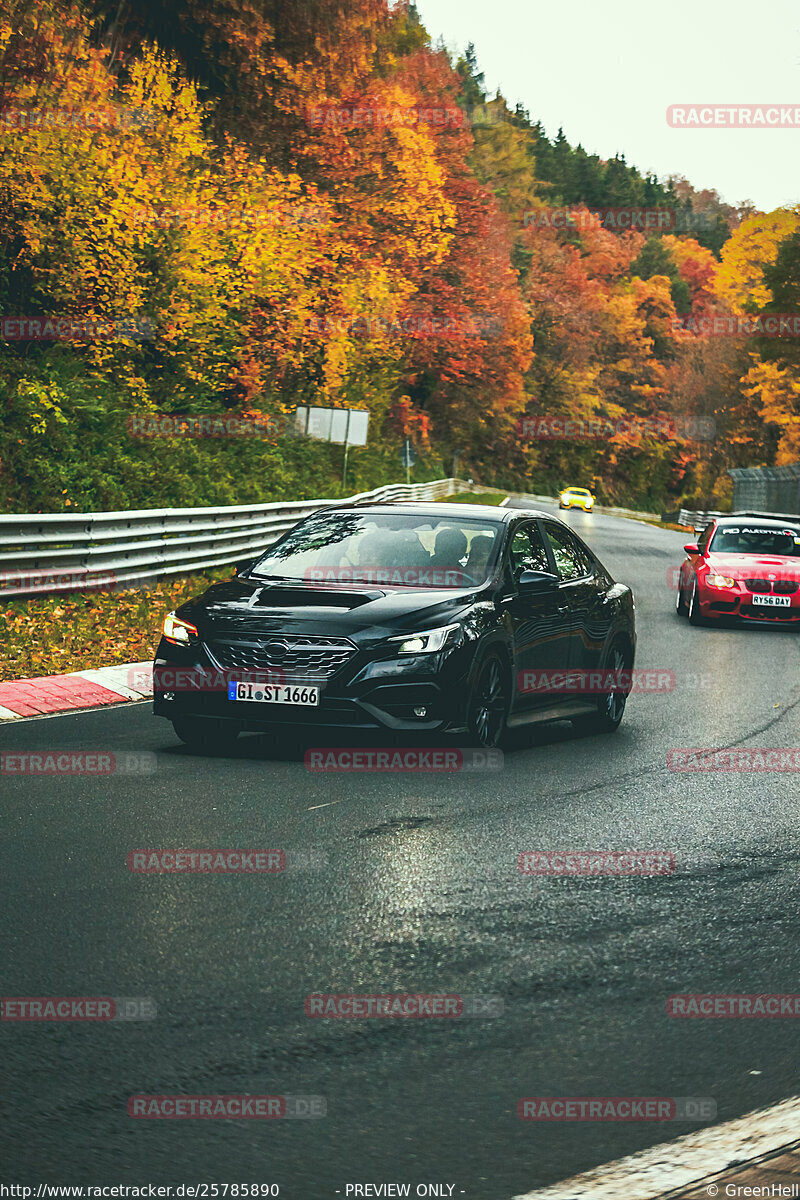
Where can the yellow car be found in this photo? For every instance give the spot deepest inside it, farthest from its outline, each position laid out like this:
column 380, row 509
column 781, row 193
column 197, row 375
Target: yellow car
column 576, row 498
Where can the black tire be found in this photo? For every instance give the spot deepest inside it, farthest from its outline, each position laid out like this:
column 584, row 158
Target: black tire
column 206, row 735
column 487, row 710
column 695, row 617
column 610, row 706
column 680, row 604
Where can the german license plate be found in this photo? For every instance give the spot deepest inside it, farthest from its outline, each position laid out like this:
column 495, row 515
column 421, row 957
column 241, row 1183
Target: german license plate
column 773, row 601
column 285, row 693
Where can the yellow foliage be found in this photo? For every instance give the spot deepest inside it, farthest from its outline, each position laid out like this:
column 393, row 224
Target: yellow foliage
column 751, row 248
column 778, row 392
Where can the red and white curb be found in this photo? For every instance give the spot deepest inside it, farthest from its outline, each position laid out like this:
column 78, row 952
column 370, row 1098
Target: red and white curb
column 20, row 698
column 688, row 1160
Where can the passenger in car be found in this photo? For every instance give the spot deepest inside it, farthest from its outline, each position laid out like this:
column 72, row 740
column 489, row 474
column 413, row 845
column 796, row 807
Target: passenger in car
column 479, row 550
column 408, row 550
column 449, row 549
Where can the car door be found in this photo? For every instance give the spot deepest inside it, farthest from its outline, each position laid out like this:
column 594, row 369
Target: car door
column 584, row 590
column 540, row 621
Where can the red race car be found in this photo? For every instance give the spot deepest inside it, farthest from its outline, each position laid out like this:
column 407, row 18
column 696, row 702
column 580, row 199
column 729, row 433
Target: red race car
column 746, row 565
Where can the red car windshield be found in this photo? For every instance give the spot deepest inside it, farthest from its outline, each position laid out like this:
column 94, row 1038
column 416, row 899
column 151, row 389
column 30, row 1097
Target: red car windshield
column 750, row 539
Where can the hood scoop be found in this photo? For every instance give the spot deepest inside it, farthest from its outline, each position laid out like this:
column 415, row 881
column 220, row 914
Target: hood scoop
column 329, row 598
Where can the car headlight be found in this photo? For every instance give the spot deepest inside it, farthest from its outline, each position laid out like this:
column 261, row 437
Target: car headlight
column 427, row 642
column 721, row 581
column 178, row 631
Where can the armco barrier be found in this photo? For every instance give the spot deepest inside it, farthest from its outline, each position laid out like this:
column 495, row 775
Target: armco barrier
column 697, row 519
column 63, row 552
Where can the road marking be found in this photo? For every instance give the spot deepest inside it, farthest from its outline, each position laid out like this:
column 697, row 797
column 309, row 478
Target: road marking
column 77, row 691
column 314, row 807
column 118, row 679
column 75, row 712
column 687, row 1160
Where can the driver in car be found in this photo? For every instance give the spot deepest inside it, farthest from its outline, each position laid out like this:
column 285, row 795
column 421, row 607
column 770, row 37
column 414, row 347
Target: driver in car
column 479, row 550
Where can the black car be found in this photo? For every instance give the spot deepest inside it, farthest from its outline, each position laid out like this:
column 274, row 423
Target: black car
column 402, row 618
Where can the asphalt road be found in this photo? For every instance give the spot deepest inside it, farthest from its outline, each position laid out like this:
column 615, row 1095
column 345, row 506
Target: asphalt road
column 410, row 884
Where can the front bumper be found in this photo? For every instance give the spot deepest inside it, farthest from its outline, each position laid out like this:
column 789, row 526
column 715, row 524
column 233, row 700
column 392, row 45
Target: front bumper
column 724, row 602
column 367, row 694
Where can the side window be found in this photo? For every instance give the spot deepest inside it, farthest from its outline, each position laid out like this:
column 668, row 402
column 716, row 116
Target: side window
column 527, row 552
column 571, row 559
column 588, row 565
column 706, row 537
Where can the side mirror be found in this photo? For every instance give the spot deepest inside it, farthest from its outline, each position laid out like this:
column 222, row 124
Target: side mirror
column 536, row 581
column 243, row 567
column 692, row 548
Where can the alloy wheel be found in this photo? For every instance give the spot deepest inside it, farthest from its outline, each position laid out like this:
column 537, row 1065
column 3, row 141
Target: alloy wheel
column 489, row 704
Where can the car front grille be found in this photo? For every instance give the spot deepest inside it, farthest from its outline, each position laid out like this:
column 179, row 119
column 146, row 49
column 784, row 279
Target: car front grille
column 297, row 658
column 781, row 587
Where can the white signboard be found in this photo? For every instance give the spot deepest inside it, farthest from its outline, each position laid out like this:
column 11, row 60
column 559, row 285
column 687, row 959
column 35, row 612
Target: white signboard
column 357, row 430
column 345, row 426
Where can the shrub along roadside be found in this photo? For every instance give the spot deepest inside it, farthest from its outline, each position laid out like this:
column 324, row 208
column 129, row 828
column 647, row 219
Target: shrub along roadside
column 51, row 635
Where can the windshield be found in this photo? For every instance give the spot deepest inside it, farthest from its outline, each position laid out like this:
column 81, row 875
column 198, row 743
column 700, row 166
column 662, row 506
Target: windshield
column 386, row 550
column 751, row 539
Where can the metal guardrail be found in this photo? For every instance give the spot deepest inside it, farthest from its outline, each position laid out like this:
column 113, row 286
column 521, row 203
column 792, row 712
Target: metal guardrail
column 696, row 518
column 699, row 520
column 64, row 552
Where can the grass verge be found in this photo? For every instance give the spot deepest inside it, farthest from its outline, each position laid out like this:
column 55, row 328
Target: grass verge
column 475, row 498
column 51, row 635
